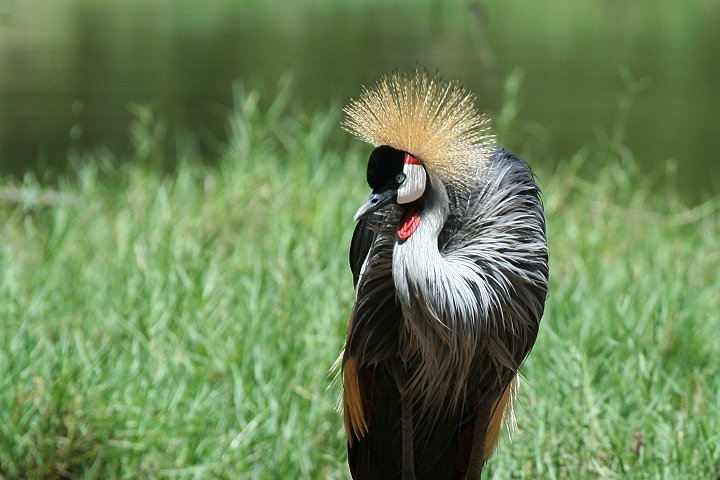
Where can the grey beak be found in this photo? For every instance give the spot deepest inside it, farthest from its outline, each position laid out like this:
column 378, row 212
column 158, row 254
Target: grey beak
column 375, row 203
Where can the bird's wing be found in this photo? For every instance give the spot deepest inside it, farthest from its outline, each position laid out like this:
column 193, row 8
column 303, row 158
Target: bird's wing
column 376, row 316
column 362, row 239
column 374, row 374
column 370, row 387
column 503, row 231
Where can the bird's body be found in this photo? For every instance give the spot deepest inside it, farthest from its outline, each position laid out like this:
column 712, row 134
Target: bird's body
column 450, row 270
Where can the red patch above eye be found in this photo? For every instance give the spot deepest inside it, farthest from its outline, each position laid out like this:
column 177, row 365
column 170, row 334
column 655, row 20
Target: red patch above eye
column 409, row 223
column 409, row 159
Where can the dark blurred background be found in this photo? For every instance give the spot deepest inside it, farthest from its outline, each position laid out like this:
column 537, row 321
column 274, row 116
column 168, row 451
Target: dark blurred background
column 73, row 73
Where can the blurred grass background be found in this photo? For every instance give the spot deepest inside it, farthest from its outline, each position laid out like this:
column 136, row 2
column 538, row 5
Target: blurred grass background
column 72, row 72
column 183, row 325
column 173, row 277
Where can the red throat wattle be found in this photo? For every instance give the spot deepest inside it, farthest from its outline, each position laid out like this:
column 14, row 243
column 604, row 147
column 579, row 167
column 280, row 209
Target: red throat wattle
column 409, row 223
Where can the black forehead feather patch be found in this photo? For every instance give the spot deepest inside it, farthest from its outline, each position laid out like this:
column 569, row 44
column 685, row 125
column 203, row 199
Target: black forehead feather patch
column 384, row 164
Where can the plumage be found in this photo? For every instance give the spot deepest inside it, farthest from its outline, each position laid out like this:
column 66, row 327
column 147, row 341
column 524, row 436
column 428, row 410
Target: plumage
column 444, row 317
column 436, row 121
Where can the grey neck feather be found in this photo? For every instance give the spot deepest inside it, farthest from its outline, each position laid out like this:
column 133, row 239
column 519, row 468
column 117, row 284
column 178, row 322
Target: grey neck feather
column 438, row 303
column 471, row 282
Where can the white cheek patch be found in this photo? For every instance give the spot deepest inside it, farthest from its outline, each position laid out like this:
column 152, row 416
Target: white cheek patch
column 415, row 178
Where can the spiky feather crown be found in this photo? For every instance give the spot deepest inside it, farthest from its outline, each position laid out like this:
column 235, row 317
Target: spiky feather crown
column 435, row 121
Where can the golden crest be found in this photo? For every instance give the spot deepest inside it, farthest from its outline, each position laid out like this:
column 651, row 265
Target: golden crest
column 433, row 120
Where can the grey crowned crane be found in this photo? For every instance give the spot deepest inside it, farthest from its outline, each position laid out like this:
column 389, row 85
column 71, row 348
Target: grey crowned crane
column 450, row 266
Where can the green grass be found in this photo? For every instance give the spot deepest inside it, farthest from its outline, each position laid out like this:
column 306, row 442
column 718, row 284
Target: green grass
column 183, row 325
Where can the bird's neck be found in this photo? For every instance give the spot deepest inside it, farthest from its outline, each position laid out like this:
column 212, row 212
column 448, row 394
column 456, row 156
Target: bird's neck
column 417, row 257
column 433, row 287
column 438, row 305
column 419, row 269
column 417, row 260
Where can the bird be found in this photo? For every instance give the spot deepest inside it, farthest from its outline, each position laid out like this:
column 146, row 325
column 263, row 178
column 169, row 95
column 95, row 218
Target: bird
column 449, row 260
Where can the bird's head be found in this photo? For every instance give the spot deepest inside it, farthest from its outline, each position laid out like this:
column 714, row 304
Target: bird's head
column 394, row 176
column 426, row 132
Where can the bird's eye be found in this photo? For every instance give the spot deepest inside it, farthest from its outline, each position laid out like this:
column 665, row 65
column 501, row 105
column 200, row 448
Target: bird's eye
column 399, row 178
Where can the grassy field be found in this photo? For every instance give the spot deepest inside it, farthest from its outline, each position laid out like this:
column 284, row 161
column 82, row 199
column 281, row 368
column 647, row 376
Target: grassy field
column 183, row 325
